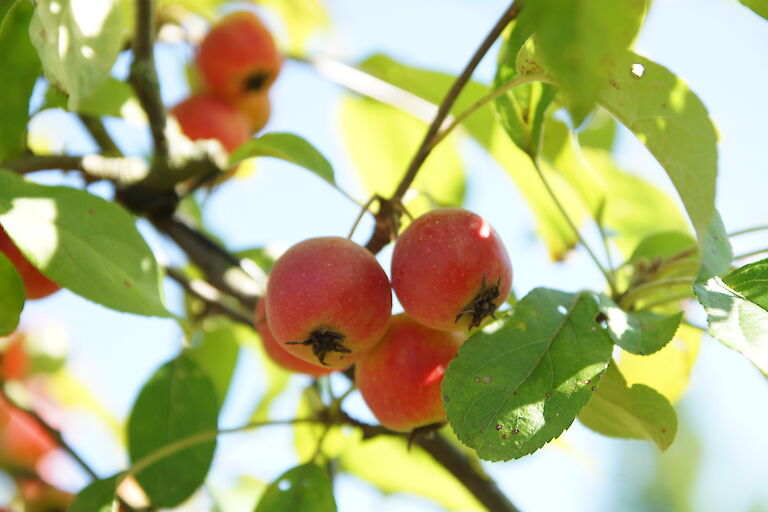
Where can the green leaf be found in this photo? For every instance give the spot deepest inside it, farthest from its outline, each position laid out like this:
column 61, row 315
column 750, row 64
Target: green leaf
column 82, row 242
column 560, row 149
column 98, row 496
column 303, row 19
column 177, row 402
column 637, row 412
column 206, row 8
column 400, row 468
column 511, row 390
column 4, row 8
column 432, row 87
column 735, row 320
column 672, row 122
column 18, row 73
column 751, row 281
column 382, row 139
column 78, row 42
column 483, row 127
column 668, row 371
column 639, row 332
column 521, row 110
column 760, row 7
column 599, row 131
column 663, row 245
column 580, row 40
column 12, row 296
column 215, row 350
column 261, row 256
column 108, row 99
column 305, row 488
column 716, row 249
column 288, row 147
column 633, row 208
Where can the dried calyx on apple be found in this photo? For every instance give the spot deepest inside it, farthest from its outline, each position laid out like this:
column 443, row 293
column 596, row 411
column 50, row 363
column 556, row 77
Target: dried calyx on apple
column 450, row 269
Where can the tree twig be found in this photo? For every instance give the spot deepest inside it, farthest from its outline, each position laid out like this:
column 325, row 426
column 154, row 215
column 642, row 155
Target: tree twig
column 209, row 295
column 143, row 75
column 222, row 269
column 123, row 170
column 98, row 131
column 473, row 478
column 388, row 215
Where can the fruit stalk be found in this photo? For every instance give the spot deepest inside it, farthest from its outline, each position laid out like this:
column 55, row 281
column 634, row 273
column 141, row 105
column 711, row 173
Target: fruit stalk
column 382, row 233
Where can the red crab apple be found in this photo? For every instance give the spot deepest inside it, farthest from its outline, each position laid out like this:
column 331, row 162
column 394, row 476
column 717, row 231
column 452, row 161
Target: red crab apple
column 204, row 116
column 328, row 301
column 450, row 269
column 14, row 364
column 22, row 441
column 36, row 285
column 238, row 57
column 277, row 353
column 400, row 377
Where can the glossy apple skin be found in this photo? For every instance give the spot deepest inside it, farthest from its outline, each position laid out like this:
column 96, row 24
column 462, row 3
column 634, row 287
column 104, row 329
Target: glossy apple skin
column 22, row 441
column 277, row 353
column 204, row 116
column 238, row 57
column 400, row 377
column 333, row 284
column 36, row 285
column 441, row 263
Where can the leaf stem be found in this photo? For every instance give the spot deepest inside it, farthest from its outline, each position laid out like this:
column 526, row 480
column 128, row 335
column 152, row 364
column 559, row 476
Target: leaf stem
column 632, row 295
column 750, row 254
column 143, row 75
column 199, row 438
column 387, row 218
column 747, row 230
column 608, row 277
column 502, row 89
column 667, row 300
column 98, row 131
column 450, row 98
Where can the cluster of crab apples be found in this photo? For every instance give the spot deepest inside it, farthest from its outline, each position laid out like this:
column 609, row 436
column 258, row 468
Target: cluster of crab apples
column 237, row 63
column 329, row 305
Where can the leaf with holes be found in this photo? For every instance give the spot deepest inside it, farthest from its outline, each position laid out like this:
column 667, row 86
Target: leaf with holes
column 580, row 41
column 636, row 412
column 639, row 332
column 82, row 242
column 751, row 281
column 178, row 401
column 673, row 123
column 305, row 488
column 288, row 147
column 511, row 390
column 78, row 42
column 735, row 320
column 12, row 296
column 98, row 496
column 18, row 74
